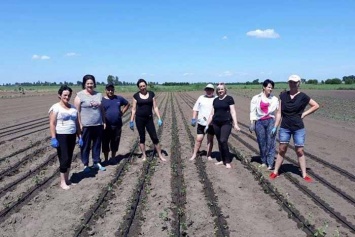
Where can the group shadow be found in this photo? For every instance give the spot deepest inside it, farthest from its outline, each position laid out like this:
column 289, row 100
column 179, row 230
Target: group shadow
column 77, row 177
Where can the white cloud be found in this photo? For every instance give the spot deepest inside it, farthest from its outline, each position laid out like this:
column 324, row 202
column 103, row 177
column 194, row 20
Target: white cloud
column 146, row 74
column 266, row 73
column 40, row 57
column 226, row 74
column 71, row 54
column 268, row 33
column 225, row 37
column 187, row 74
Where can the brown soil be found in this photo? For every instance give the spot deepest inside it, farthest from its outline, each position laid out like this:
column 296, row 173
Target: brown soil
column 247, row 209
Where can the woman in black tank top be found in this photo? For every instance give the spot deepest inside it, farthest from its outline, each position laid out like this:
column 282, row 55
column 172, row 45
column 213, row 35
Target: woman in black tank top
column 142, row 113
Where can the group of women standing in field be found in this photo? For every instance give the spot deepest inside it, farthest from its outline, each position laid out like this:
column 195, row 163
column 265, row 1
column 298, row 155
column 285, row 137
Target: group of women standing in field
column 97, row 122
column 266, row 113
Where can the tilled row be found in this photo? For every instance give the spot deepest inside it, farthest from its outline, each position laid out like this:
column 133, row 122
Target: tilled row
column 220, row 223
column 328, row 207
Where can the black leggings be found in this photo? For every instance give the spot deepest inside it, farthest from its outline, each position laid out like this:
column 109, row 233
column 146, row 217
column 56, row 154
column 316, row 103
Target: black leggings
column 222, row 131
column 65, row 150
column 143, row 123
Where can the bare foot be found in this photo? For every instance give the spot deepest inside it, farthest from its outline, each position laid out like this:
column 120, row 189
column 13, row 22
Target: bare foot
column 228, row 166
column 144, row 158
column 193, row 157
column 64, row 186
column 163, row 159
column 219, row 163
column 209, row 158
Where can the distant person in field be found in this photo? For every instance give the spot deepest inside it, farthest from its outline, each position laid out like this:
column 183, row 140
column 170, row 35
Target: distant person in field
column 200, row 113
column 143, row 104
column 92, row 122
column 263, row 108
column 223, row 117
column 292, row 111
column 114, row 107
column 64, row 128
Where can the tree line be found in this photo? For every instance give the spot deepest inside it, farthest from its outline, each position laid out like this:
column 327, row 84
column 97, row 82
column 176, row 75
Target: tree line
column 116, row 81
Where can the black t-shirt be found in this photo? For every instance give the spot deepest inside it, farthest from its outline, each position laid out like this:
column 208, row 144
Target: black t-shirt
column 144, row 106
column 292, row 109
column 222, row 111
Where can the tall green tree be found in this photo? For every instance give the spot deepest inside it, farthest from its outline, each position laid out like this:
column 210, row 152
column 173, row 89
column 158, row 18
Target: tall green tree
column 110, row 79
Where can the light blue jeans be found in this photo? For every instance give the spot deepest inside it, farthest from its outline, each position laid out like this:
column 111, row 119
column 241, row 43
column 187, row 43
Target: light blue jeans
column 299, row 136
column 266, row 142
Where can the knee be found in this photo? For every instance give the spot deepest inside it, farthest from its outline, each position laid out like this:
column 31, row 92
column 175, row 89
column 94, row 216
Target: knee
column 282, row 150
column 142, row 140
column 223, row 141
column 155, row 140
column 199, row 139
column 299, row 153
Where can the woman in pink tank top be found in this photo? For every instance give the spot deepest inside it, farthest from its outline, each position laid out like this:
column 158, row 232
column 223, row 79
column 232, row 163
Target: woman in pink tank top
column 263, row 109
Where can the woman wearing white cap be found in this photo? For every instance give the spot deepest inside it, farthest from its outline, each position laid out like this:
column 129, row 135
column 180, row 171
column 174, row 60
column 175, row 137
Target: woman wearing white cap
column 200, row 114
column 291, row 110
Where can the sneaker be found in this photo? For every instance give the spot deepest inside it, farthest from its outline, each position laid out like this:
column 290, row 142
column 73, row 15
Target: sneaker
column 99, row 167
column 86, row 169
column 270, row 168
column 262, row 165
column 308, row 179
column 273, row 176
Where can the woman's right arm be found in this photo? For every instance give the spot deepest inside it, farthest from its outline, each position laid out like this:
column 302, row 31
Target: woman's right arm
column 134, row 107
column 252, row 115
column 209, row 120
column 52, row 123
column 77, row 105
column 278, row 116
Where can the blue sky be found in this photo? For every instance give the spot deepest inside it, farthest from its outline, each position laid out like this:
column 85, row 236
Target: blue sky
column 181, row 41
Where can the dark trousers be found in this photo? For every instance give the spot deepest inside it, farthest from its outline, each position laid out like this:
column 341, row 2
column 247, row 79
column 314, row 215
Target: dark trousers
column 111, row 138
column 222, row 131
column 143, row 123
column 91, row 134
column 65, row 150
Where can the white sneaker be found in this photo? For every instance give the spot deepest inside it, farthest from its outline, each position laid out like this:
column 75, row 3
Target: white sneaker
column 99, row 167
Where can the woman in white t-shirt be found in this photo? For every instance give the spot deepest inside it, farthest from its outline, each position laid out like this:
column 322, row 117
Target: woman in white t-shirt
column 63, row 125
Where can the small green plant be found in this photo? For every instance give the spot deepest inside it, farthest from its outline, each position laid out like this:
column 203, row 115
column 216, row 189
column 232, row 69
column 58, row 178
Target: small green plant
column 164, row 215
column 110, row 187
column 36, row 179
column 337, row 233
column 321, row 231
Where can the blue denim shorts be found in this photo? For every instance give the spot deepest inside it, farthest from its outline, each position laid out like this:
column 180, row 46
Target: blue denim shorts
column 299, row 136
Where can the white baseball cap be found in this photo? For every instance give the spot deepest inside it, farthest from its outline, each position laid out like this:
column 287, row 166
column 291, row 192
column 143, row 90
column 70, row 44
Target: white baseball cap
column 294, row 78
column 209, row 86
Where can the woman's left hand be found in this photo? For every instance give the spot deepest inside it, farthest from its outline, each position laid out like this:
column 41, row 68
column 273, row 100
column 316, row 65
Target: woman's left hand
column 236, row 127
